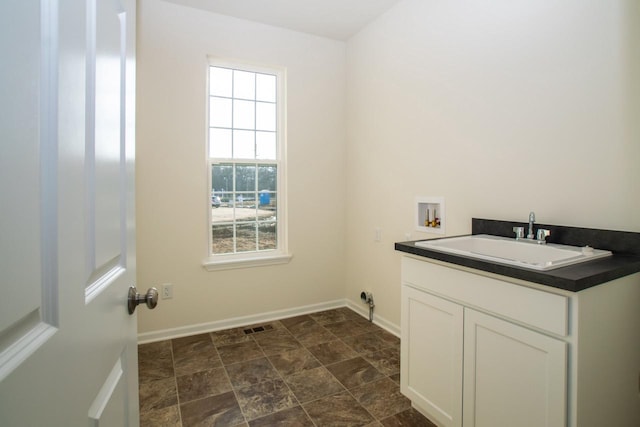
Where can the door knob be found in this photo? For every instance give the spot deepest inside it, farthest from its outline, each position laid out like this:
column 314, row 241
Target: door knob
column 150, row 298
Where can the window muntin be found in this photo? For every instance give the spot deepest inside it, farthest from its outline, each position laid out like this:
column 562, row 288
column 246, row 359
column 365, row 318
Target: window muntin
column 245, row 162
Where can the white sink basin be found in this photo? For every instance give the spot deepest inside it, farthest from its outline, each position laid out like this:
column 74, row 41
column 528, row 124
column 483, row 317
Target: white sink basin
column 513, row 252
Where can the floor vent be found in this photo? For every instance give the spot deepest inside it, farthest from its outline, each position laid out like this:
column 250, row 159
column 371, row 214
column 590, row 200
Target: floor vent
column 256, row 329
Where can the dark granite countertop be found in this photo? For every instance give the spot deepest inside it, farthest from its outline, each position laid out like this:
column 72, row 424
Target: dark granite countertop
column 624, row 245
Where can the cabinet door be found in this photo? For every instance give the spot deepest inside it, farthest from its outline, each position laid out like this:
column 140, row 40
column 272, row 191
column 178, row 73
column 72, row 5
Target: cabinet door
column 431, row 355
column 513, row 376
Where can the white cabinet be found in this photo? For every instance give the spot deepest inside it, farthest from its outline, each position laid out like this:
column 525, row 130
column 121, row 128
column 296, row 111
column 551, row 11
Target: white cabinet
column 481, row 350
column 432, row 374
column 508, row 369
column 511, row 373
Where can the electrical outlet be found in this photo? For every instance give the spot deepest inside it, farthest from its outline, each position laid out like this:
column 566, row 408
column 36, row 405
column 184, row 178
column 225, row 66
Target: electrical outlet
column 167, row 291
column 378, row 234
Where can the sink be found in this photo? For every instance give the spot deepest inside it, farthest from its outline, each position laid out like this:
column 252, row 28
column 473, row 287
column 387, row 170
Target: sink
column 519, row 253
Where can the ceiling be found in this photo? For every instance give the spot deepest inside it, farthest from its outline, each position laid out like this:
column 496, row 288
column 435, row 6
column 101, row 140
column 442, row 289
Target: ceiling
column 335, row 19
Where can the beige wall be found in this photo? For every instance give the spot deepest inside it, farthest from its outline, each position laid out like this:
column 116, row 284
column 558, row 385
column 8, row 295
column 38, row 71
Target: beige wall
column 500, row 107
column 172, row 190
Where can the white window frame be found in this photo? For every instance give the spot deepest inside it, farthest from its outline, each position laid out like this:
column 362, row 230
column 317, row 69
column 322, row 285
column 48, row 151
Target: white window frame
column 280, row 255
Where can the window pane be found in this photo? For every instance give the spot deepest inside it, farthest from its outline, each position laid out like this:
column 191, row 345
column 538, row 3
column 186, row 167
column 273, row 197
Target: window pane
column 245, row 206
column 244, row 144
column 268, row 211
column 266, row 87
column 220, row 143
column 245, row 178
column 246, row 237
column 220, row 81
column 222, row 239
column 222, row 181
column 267, row 235
column 266, row 145
column 244, row 114
column 219, row 112
column 244, row 85
column 265, row 116
column 268, row 203
column 267, row 176
column 226, row 201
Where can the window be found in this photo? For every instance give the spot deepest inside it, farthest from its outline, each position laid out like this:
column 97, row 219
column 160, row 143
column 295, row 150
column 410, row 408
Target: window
column 246, row 166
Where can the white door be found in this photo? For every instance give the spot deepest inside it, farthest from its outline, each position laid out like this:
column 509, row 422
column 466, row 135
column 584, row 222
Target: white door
column 512, row 376
column 67, row 343
column 431, row 355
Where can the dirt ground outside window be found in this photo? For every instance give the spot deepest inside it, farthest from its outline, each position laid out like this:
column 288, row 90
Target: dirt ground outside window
column 246, row 221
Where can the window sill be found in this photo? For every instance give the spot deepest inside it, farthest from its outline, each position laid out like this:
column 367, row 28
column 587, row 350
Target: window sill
column 216, row 264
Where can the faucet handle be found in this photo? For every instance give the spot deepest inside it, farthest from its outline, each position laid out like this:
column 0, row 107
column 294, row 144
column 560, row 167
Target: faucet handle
column 542, row 235
column 519, row 232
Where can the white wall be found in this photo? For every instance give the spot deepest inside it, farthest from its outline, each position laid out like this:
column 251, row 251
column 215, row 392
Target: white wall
column 501, row 107
column 172, row 189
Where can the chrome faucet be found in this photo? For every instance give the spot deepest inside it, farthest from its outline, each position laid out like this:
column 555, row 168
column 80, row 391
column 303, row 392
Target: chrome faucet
column 532, row 218
column 519, row 232
column 542, row 235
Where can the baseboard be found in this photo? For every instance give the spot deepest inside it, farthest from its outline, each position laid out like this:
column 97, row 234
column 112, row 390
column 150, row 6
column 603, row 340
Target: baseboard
column 234, row 322
column 165, row 334
column 363, row 310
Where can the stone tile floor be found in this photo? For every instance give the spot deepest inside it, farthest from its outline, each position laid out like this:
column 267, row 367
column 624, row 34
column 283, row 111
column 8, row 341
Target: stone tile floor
column 331, row 368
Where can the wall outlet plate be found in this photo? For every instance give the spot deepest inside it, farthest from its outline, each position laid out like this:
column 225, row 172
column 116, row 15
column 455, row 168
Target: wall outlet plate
column 167, row 291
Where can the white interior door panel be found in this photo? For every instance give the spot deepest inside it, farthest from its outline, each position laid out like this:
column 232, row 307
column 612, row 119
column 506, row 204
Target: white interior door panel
column 67, row 343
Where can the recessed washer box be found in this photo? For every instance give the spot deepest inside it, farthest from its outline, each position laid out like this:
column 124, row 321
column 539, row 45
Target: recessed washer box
column 427, row 210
